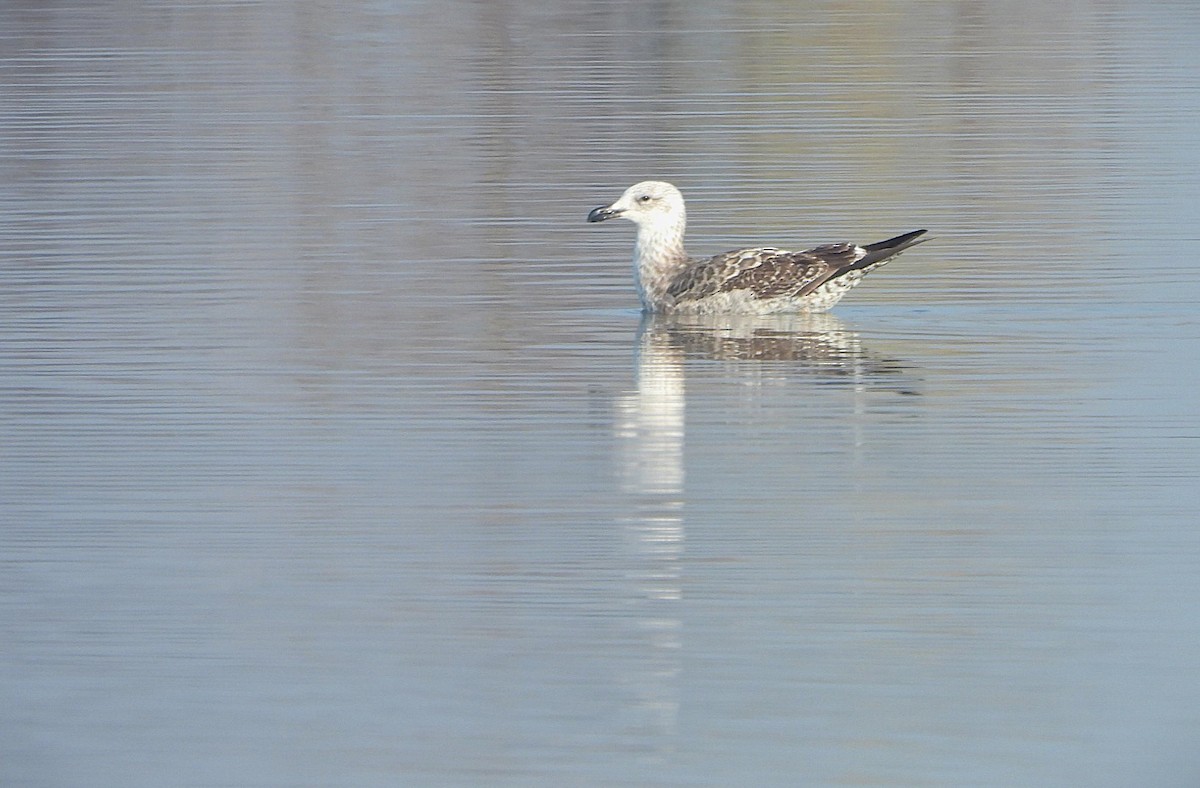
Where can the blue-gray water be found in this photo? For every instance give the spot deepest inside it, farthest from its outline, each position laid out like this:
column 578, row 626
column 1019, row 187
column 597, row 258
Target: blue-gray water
column 334, row 449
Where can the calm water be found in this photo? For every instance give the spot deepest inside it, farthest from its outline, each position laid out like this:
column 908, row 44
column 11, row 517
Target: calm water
column 334, row 450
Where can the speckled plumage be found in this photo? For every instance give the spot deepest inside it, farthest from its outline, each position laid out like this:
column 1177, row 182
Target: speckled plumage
column 756, row 281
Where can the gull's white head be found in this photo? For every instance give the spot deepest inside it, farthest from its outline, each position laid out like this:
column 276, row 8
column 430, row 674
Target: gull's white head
column 649, row 203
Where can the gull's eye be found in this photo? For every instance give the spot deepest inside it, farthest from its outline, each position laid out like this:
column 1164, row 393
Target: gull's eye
column 644, row 198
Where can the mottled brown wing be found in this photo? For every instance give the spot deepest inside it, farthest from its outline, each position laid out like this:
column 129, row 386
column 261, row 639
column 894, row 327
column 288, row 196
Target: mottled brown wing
column 767, row 273
column 838, row 259
column 780, row 275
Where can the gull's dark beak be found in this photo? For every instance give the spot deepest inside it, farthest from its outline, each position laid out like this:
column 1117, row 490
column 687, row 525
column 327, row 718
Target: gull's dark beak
column 600, row 214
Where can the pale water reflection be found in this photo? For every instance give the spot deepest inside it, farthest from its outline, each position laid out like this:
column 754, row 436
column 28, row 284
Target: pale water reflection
column 651, row 432
column 333, row 449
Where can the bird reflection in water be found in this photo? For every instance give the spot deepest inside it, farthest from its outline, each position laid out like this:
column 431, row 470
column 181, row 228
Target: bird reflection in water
column 650, row 429
column 649, row 434
column 818, row 347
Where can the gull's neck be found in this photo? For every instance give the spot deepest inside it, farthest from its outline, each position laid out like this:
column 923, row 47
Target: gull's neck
column 659, row 256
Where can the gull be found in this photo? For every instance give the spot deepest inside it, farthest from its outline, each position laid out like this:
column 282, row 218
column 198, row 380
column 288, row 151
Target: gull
column 758, row 281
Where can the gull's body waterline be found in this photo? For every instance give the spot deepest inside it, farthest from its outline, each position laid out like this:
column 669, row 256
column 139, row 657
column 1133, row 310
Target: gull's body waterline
column 762, row 280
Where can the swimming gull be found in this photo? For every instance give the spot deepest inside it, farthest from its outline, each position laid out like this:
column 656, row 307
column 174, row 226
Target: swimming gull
column 756, row 281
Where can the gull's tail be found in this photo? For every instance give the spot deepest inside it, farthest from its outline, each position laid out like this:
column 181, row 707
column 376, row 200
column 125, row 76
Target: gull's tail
column 884, row 250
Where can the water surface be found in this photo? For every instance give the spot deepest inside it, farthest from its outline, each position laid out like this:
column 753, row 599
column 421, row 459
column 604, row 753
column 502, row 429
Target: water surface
column 336, row 451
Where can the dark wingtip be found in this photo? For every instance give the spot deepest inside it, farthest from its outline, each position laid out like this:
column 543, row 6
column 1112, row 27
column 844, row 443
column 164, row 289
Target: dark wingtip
column 900, row 241
column 886, row 250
